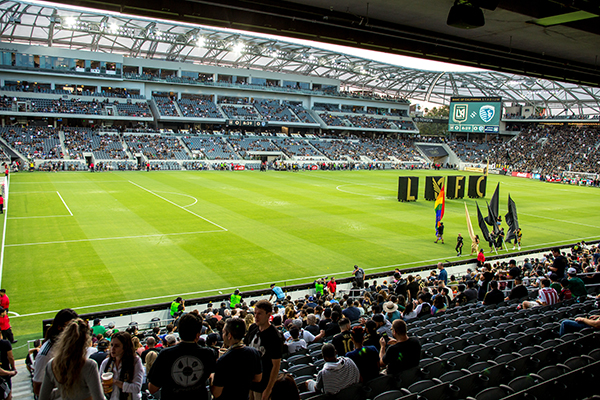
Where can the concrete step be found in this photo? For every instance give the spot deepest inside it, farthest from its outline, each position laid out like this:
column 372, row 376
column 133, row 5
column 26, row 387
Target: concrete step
column 22, row 388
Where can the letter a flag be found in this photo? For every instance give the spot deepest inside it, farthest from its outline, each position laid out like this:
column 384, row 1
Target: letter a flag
column 439, row 206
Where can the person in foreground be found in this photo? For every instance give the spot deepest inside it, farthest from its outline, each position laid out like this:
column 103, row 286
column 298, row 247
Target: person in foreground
column 127, row 369
column 62, row 318
column 240, row 358
column 404, row 351
column 70, row 372
column 264, row 337
column 181, row 371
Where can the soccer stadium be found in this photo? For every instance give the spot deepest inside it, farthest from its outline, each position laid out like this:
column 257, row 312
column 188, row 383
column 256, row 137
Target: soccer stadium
column 367, row 201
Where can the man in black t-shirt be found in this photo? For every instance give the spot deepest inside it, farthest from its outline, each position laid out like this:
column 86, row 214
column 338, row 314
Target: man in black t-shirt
column 325, row 320
column 519, row 291
column 560, row 263
column 238, row 367
column 101, row 354
column 471, row 292
column 404, row 352
column 266, row 339
column 333, row 327
column 151, row 344
column 494, row 296
column 7, row 360
column 181, row 371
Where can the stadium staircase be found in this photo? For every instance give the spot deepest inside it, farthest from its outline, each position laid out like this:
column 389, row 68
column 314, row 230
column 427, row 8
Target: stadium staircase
column 12, row 152
column 63, row 148
column 185, row 147
column 452, row 157
column 421, row 152
column 22, row 388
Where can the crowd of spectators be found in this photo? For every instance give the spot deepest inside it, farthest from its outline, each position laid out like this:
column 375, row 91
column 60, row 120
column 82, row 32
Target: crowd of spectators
column 272, row 110
column 370, row 122
column 156, row 147
column 248, row 113
column 473, row 151
column 199, row 108
column 34, row 142
column 551, row 150
column 166, row 106
column 327, row 342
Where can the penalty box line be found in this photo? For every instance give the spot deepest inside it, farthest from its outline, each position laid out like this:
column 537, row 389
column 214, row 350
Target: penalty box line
column 177, row 205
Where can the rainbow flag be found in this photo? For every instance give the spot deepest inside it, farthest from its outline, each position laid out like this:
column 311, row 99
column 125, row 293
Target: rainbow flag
column 440, row 204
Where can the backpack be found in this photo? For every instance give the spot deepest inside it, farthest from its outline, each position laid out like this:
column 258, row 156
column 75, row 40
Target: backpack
column 360, row 274
column 425, row 310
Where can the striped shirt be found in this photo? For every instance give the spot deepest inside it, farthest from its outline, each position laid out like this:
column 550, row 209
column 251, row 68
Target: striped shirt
column 336, row 376
column 548, row 296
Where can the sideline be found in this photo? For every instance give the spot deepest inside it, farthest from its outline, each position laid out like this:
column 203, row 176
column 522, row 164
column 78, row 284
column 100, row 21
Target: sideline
column 266, row 284
column 4, row 228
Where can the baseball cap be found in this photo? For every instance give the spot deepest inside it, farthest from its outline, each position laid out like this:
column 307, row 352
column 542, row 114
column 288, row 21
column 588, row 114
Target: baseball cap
column 572, row 271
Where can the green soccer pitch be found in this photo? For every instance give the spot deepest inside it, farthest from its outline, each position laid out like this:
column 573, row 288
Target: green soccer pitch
column 97, row 241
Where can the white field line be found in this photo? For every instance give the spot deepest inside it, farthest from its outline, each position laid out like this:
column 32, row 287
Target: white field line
column 560, row 220
column 363, row 194
column 265, row 284
column 354, row 183
column 39, row 191
column 182, row 194
column 42, row 216
column 68, row 209
column 75, row 182
column 177, row 205
column 4, row 230
column 111, row 238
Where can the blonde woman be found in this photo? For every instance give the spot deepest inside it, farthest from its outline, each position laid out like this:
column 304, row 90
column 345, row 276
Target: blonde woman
column 150, row 358
column 70, row 371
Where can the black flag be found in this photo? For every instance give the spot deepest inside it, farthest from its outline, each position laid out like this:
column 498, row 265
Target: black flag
column 493, row 206
column 482, row 225
column 493, row 217
column 511, row 220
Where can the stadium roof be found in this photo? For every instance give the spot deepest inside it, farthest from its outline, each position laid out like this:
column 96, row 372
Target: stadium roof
column 55, row 25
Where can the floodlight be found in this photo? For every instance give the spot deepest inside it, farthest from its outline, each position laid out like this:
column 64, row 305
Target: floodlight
column 69, row 22
column 238, row 47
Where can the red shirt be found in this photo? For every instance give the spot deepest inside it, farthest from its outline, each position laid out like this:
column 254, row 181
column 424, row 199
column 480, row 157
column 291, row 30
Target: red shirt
column 4, row 324
column 480, row 257
column 4, row 301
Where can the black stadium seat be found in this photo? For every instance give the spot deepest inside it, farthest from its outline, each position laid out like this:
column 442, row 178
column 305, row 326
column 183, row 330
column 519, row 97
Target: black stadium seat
column 524, row 382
